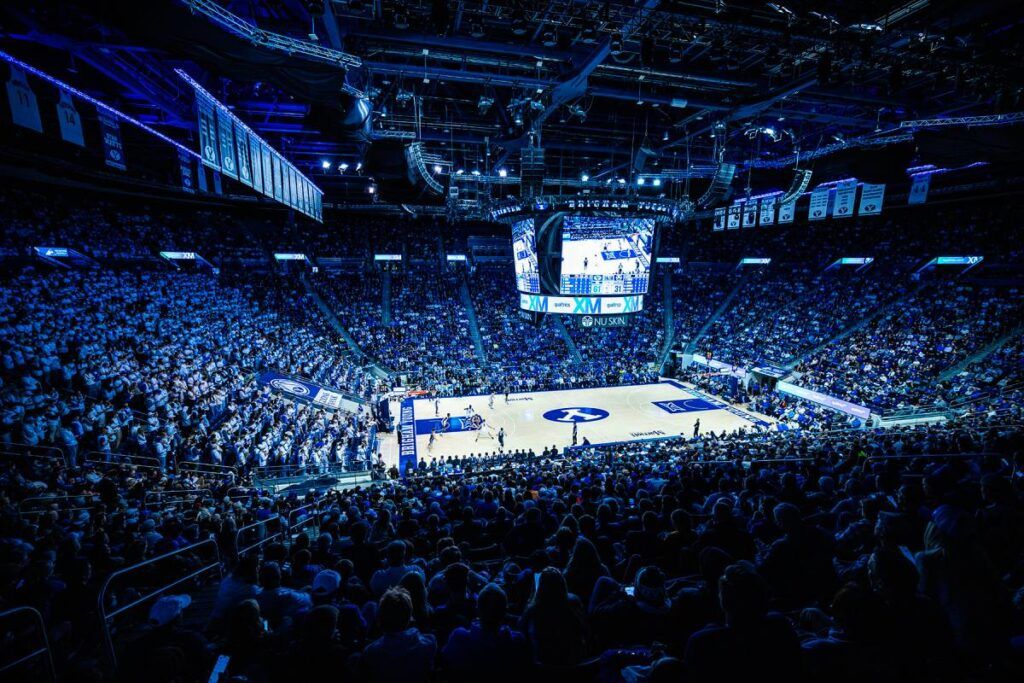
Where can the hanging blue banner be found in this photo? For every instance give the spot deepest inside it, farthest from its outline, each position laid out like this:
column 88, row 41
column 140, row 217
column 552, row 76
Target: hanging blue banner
column 255, row 158
column 70, row 121
column 818, row 208
column 201, row 178
column 919, row 189
column 187, row 183
column 208, row 132
column 217, row 183
column 242, row 154
column 24, row 108
column 113, row 150
column 226, row 144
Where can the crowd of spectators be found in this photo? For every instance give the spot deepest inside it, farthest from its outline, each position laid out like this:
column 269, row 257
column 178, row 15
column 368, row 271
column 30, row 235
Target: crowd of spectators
column 783, row 555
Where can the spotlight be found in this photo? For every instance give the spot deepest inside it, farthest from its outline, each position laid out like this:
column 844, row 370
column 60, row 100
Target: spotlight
column 476, row 30
column 372, row 189
column 584, row 177
column 459, row 172
column 359, row 166
column 640, row 181
column 437, row 168
column 326, row 165
column 621, row 181
column 475, row 172
column 343, row 167
column 484, row 104
column 657, row 182
column 502, row 173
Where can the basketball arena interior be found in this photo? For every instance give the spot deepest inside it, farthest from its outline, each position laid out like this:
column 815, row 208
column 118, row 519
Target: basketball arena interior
column 497, row 340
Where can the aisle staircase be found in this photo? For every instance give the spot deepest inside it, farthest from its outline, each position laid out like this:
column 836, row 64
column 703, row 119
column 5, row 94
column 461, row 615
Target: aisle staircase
column 385, row 298
column 981, row 354
column 474, row 329
column 668, row 317
column 560, row 327
column 692, row 346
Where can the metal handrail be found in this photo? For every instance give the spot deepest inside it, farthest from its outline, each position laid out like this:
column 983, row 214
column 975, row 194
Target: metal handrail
column 45, row 649
column 48, row 452
column 122, row 459
column 208, row 468
column 239, row 551
column 49, row 500
column 105, row 618
column 933, row 456
column 311, row 517
column 195, row 493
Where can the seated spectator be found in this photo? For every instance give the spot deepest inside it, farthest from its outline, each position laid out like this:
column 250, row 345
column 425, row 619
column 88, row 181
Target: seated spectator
column 402, row 653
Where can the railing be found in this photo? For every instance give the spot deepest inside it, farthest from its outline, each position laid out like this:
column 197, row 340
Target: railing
column 240, row 492
column 107, row 617
column 100, row 459
column 186, row 495
column 262, row 532
column 933, row 456
column 28, row 506
column 312, row 516
column 208, row 469
column 12, row 636
column 24, row 450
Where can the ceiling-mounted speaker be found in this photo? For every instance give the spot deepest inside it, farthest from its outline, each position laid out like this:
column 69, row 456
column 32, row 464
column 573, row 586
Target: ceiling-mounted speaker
column 719, row 185
column 801, row 179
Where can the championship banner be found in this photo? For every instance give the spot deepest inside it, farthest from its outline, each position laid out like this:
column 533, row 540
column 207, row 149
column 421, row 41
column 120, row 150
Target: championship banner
column 278, row 192
column 846, row 195
column 818, row 208
column 268, row 170
column 734, row 216
column 871, row 198
column 719, row 223
column 256, row 160
column 787, row 211
column 113, row 150
column 242, row 153
column 750, row 214
column 286, row 184
column 919, row 189
column 304, row 391
column 318, row 198
column 24, row 108
column 226, row 144
column 185, row 161
column 70, row 121
column 768, row 210
column 207, row 132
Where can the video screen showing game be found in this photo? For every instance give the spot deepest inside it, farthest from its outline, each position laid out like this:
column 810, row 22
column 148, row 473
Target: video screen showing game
column 524, row 252
column 606, row 255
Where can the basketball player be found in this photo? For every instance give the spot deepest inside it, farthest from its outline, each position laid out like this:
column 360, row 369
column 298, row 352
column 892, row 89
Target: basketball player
column 501, row 440
column 574, row 426
column 506, row 394
column 446, row 423
column 433, row 438
column 469, row 411
column 437, row 407
column 696, row 428
column 490, row 401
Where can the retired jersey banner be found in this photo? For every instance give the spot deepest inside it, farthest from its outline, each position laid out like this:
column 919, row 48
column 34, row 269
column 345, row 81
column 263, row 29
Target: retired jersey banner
column 871, row 198
column 256, row 160
column 268, row 170
column 113, row 150
column 919, row 189
column 767, row 216
column 226, row 144
column 719, row 223
column 818, row 208
column 787, row 211
column 734, row 216
column 187, row 183
column 208, row 132
column 70, row 121
column 750, row 214
column 242, row 154
column 24, row 108
column 278, row 191
column 846, row 195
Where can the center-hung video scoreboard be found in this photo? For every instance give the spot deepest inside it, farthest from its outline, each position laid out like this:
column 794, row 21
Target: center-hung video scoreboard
column 582, row 264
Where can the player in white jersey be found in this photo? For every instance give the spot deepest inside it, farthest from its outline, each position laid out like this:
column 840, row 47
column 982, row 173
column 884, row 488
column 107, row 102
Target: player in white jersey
column 490, row 401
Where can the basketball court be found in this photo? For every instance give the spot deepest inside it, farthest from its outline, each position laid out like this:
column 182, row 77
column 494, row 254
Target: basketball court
column 546, row 418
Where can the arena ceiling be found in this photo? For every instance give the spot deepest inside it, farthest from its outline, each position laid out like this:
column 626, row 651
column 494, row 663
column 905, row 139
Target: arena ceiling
column 594, row 83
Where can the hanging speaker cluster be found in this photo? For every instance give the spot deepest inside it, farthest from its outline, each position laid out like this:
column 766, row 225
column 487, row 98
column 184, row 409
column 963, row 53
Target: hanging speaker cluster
column 417, row 168
column 801, row 179
column 719, row 185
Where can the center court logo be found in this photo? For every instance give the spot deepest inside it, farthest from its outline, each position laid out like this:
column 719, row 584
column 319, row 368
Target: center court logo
column 291, row 387
column 576, row 414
